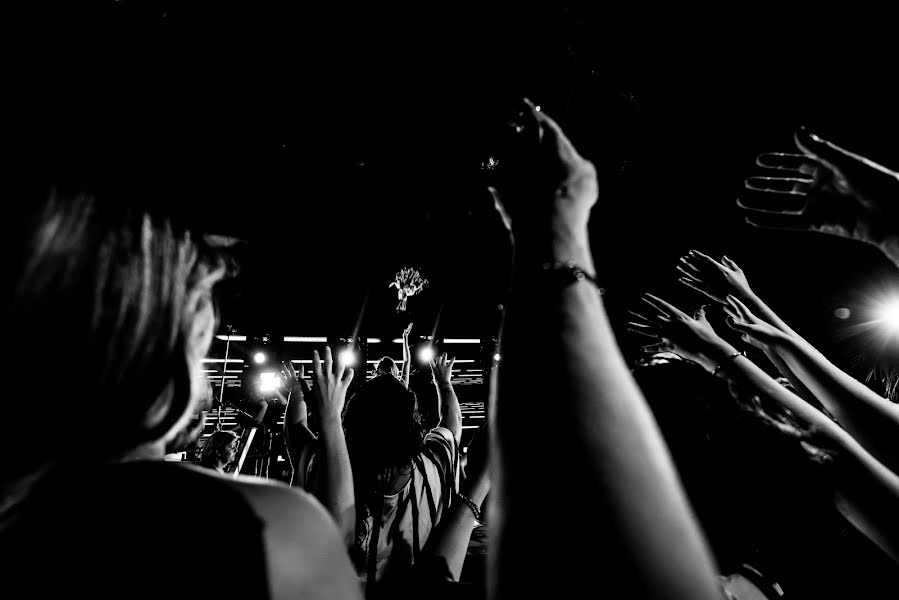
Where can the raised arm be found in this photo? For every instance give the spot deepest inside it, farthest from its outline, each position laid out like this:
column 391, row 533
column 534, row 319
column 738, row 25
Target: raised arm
column 336, row 480
column 407, row 356
column 871, row 419
column 600, row 491
column 720, row 280
column 695, row 339
column 448, row 546
column 298, row 439
column 450, row 412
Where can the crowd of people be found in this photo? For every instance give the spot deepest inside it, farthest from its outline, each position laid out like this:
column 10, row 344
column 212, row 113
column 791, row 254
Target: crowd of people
column 694, row 474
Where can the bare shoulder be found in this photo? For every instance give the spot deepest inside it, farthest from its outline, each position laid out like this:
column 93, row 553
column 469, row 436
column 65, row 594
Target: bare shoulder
column 304, row 552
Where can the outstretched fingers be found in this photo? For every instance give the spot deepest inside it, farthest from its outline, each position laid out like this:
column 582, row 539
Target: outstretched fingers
column 316, row 365
column 642, row 329
column 665, row 308
column 800, row 164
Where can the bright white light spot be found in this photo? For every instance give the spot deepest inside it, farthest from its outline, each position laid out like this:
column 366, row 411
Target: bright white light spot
column 269, row 382
column 259, row 358
column 496, row 357
column 426, row 354
column 842, row 313
column 888, row 316
column 347, row 357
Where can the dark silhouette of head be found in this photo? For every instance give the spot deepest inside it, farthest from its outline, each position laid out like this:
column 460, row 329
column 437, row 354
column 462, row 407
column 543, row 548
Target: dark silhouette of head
column 384, row 432
column 120, row 298
column 387, row 366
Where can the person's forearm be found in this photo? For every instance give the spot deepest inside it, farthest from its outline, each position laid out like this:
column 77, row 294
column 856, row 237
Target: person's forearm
column 766, row 313
column 407, row 365
column 867, row 492
column 450, row 411
column 455, row 530
column 297, row 411
column 601, row 490
column 784, row 369
column 260, row 413
column 336, row 486
column 868, row 417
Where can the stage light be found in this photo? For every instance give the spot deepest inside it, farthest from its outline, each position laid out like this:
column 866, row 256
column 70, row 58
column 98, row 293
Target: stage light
column 347, row 357
column 426, row 354
column 269, row 382
column 496, row 357
column 259, row 358
column 888, row 316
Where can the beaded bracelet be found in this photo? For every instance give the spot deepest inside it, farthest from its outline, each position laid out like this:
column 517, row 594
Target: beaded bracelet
column 471, row 504
column 569, row 272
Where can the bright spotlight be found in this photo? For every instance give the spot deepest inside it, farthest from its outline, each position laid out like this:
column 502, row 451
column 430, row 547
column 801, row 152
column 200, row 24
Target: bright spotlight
column 259, row 358
column 426, row 354
column 496, row 357
column 347, row 357
column 269, row 382
column 888, row 316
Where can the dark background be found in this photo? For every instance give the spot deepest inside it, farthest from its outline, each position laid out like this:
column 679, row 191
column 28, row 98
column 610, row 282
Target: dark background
column 343, row 142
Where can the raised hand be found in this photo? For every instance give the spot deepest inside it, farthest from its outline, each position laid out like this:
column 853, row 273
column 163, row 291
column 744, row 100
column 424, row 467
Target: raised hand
column 290, row 379
column 546, row 183
column 331, row 384
column 826, row 189
column 754, row 330
column 693, row 338
column 406, row 333
column 711, row 278
column 442, row 368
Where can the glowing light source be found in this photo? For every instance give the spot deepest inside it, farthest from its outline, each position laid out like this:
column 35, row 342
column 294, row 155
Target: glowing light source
column 233, row 338
column 347, row 357
column 497, row 357
column 426, row 354
column 300, row 338
column 461, row 341
column 259, row 358
column 269, row 382
column 888, row 316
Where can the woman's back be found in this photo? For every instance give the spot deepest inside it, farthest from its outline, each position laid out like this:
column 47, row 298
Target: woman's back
column 126, row 295
column 155, row 528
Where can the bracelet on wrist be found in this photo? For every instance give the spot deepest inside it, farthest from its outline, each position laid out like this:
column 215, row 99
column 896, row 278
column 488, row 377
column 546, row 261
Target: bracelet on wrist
column 567, row 273
column 475, row 509
column 720, row 365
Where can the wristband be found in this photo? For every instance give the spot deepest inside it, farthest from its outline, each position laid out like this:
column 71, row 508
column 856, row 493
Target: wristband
column 471, row 504
column 567, row 273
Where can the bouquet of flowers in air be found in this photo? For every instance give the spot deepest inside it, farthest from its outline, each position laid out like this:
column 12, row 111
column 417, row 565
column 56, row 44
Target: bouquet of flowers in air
column 407, row 282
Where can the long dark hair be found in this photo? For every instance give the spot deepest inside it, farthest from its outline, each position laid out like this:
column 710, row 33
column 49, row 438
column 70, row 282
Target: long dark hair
column 101, row 300
column 384, row 432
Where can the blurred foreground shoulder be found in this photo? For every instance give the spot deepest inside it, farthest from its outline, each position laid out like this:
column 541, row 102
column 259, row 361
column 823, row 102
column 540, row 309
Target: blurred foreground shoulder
column 304, row 553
